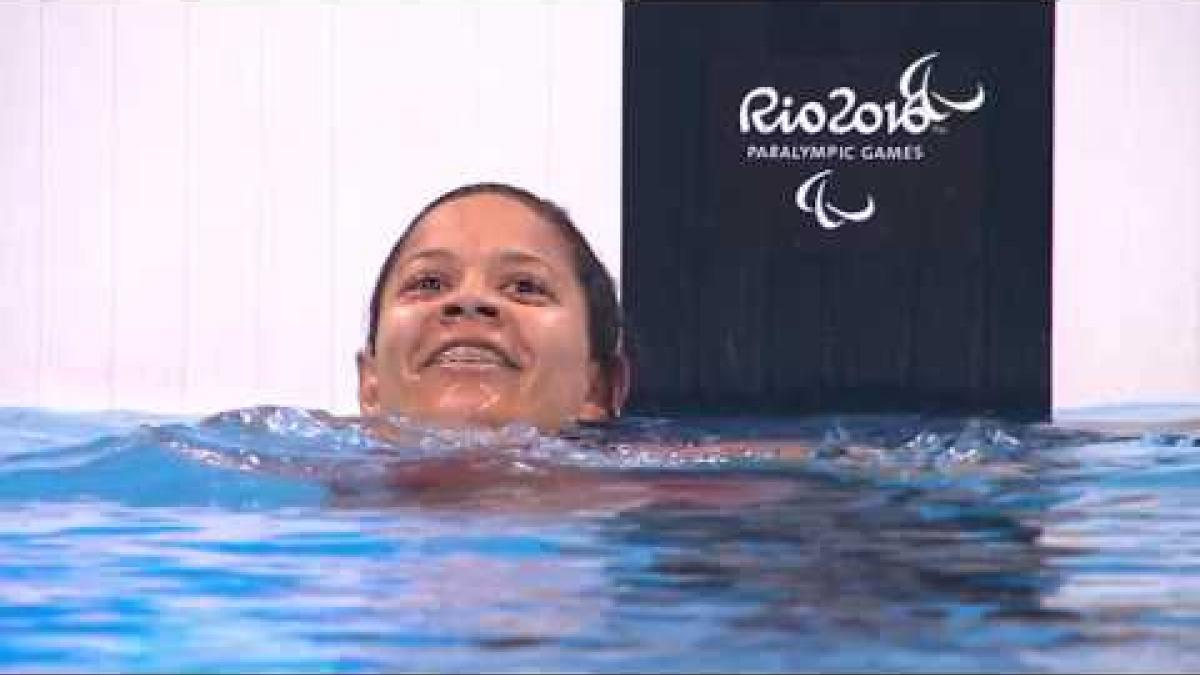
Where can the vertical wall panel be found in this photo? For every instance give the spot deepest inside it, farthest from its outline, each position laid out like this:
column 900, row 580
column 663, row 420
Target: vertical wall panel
column 584, row 144
column 1127, row 249
column 20, row 201
column 295, row 304
column 1090, row 57
column 404, row 117
column 226, row 170
column 77, row 174
column 149, row 218
column 514, row 92
column 1163, row 218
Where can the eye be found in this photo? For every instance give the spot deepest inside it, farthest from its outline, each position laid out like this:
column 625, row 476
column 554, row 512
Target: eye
column 424, row 283
column 529, row 288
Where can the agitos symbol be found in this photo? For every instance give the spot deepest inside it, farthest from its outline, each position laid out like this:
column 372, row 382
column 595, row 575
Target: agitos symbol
column 812, row 198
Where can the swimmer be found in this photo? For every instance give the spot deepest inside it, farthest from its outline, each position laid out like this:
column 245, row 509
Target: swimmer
column 491, row 310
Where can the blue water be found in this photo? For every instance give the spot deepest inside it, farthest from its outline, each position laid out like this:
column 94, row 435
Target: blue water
column 273, row 539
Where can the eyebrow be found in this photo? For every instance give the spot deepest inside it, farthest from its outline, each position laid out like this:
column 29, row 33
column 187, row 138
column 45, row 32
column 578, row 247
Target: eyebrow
column 522, row 257
column 427, row 253
column 505, row 256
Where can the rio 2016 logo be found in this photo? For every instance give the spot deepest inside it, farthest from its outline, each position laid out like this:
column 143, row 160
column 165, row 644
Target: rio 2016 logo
column 764, row 111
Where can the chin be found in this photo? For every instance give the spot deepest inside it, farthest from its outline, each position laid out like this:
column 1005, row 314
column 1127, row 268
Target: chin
column 465, row 411
column 470, row 418
column 477, row 418
column 474, row 407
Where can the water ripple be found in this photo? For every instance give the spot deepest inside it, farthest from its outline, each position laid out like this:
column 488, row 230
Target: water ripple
column 281, row 539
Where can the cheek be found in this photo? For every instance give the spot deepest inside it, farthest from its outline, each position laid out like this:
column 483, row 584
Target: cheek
column 561, row 340
column 399, row 333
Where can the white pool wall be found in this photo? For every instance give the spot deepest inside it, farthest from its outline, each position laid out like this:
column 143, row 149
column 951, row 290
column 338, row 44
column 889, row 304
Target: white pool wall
column 1126, row 202
column 195, row 197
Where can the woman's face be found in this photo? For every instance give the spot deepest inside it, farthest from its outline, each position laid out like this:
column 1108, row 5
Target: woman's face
column 483, row 322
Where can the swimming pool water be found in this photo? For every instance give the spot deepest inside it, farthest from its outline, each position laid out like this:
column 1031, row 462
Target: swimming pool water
column 273, row 540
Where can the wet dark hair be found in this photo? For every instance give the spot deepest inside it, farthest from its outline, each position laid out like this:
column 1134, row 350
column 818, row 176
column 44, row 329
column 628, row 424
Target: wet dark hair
column 604, row 319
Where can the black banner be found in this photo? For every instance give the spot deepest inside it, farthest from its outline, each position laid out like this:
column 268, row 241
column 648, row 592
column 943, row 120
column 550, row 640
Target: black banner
column 838, row 206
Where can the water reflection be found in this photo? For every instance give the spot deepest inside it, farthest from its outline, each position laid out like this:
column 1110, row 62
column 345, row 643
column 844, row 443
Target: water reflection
column 899, row 544
column 836, row 564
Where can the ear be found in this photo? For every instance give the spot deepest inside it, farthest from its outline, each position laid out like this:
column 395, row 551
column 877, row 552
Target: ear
column 368, row 384
column 607, row 391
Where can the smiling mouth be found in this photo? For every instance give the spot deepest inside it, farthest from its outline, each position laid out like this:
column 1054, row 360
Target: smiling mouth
column 470, row 356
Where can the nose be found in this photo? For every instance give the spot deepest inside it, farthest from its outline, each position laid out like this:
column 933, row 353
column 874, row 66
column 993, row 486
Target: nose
column 469, row 307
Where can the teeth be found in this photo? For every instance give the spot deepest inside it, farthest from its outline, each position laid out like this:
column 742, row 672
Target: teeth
column 469, row 354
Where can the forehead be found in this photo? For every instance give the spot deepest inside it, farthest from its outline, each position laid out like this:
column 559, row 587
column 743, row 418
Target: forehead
column 482, row 224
